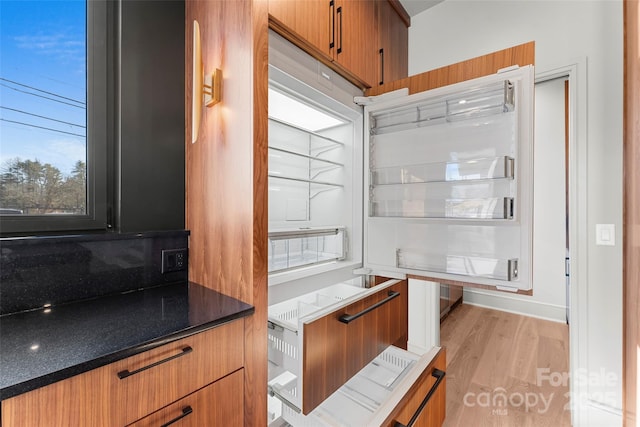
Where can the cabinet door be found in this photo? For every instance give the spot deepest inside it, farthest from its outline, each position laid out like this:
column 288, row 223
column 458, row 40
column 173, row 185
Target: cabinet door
column 356, row 47
column 393, row 37
column 307, row 22
column 337, row 346
column 221, row 403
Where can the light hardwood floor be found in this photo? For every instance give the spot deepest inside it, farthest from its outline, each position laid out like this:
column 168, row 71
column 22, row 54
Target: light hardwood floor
column 505, row 369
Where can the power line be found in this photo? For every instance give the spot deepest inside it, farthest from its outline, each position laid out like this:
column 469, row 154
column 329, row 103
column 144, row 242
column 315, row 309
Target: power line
column 42, row 127
column 43, row 117
column 43, row 91
column 40, row 96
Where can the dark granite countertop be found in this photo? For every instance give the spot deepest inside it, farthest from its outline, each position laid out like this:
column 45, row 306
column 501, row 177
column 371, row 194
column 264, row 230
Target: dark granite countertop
column 40, row 347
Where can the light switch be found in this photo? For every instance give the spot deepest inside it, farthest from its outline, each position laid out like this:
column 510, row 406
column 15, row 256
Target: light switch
column 605, row 234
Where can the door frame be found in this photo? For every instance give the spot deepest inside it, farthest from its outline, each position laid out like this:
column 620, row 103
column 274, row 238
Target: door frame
column 576, row 74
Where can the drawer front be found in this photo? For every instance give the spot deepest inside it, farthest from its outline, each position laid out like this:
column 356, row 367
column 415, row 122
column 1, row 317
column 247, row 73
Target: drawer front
column 221, row 403
column 153, row 379
column 100, row 398
column 424, row 405
column 338, row 345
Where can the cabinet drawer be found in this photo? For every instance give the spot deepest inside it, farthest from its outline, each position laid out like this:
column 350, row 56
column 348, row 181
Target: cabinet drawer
column 221, row 403
column 338, row 345
column 396, row 389
column 425, row 403
column 100, row 398
column 156, row 378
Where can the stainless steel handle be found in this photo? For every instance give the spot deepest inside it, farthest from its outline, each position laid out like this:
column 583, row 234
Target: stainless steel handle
column 126, row 373
column 185, row 411
column 439, row 375
column 346, row 318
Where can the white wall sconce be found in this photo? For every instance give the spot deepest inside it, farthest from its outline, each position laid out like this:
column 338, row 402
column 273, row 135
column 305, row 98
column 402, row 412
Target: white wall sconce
column 206, row 89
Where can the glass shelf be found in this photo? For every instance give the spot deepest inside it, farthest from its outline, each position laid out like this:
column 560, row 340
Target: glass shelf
column 470, row 170
column 285, row 136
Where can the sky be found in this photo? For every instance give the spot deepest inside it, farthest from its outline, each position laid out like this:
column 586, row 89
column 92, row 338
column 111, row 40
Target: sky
column 43, row 48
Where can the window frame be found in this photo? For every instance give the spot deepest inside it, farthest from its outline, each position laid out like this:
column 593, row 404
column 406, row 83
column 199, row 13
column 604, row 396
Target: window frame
column 100, row 100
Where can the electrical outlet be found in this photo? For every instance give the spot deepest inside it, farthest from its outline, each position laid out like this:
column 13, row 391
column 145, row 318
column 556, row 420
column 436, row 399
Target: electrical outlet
column 174, row 260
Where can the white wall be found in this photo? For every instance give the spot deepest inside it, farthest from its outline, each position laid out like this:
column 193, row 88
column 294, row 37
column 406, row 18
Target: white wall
column 589, row 34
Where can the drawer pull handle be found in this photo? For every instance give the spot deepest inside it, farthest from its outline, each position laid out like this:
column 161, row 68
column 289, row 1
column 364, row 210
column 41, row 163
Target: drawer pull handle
column 346, row 318
column 185, row 411
column 126, row 373
column 439, row 376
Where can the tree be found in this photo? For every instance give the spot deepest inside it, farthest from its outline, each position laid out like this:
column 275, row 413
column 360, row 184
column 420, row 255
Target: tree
column 74, row 194
column 37, row 188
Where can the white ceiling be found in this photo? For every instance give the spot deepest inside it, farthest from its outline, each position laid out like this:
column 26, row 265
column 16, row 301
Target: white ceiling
column 414, row 7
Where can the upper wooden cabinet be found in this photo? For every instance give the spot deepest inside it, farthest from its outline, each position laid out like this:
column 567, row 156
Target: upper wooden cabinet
column 364, row 40
column 356, row 38
column 308, row 22
column 393, row 36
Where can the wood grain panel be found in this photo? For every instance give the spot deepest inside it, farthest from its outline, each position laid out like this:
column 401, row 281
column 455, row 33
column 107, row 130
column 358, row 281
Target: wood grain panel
column 226, row 175
column 335, row 351
column 394, row 41
column 82, row 400
column 433, row 413
column 307, row 21
column 631, row 215
column 145, row 392
column 357, row 39
column 484, row 65
column 100, row 398
column 401, row 11
column 220, row 403
column 256, row 332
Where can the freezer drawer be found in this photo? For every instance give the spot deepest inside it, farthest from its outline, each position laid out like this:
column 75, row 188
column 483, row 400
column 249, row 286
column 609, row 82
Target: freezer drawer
column 397, row 388
column 314, row 348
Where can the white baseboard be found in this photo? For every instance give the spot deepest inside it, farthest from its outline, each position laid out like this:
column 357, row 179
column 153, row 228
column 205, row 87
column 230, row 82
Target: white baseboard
column 592, row 414
column 505, row 302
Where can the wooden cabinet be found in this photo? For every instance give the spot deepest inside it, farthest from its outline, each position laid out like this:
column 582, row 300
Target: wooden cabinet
column 425, row 403
column 356, row 36
column 393, row 44
column 352, row 36
column 128, row 390
column 221, row 403
column 307, row 22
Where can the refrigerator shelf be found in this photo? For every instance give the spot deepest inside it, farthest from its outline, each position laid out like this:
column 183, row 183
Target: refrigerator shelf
column 463, row 265
column 495, row 208
column 467, row 171
column 295, row 248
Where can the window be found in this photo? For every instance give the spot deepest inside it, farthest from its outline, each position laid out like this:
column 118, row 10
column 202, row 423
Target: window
column 53, row 108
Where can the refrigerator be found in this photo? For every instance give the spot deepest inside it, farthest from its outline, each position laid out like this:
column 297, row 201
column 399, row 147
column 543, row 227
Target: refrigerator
column 372, row 202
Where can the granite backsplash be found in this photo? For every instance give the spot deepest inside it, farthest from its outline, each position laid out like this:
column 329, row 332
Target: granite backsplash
column 35, row 271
